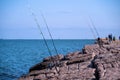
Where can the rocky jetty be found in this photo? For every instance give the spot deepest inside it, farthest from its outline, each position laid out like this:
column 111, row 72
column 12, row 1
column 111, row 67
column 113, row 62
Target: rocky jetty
column 92, row 63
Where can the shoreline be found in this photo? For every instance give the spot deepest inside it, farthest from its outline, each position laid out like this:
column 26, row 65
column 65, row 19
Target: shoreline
column 92, row 63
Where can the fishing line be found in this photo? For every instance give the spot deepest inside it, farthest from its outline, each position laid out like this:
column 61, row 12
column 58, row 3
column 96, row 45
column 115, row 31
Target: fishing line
column 94, row 26
column 49, row 33
column 39, row 27
column 92, row 31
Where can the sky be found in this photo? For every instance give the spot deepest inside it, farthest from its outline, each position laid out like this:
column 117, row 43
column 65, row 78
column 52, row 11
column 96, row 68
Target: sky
column 67, row 19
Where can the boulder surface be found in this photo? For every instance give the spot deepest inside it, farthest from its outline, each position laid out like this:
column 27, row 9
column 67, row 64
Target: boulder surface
column 92, row 63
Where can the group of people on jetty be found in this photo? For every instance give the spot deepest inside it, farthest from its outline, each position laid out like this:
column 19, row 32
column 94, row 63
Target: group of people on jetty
column 107, row 40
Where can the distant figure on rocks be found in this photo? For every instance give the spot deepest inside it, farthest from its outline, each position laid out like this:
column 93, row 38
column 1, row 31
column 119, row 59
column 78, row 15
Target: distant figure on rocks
column 110, row 37
column 114, row 38
column 119, row 37
column 100, row 43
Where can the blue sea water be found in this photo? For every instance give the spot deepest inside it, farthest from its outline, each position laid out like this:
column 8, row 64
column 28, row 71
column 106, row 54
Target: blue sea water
column 17, row 56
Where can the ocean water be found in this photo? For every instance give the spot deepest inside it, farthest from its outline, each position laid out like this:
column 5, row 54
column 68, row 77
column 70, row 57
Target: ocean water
column 17, row 56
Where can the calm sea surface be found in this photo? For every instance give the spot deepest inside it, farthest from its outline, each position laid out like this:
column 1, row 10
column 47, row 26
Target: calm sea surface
column 17, row 56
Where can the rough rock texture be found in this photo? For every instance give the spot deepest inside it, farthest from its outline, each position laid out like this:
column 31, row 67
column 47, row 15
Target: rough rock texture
column 93, row 63
column 107, row 64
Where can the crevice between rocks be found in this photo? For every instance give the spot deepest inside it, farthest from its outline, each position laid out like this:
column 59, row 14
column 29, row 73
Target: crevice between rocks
column 92, row 65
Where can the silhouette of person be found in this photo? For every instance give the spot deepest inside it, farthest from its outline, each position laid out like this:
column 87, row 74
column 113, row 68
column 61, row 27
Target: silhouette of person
column 100, row 43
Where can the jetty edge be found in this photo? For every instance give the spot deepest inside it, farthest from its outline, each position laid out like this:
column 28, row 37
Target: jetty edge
column 92, row 63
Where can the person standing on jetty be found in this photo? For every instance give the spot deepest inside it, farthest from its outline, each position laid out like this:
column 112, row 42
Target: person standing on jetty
column 110, row 37
column 114, row 38
column 100, row 43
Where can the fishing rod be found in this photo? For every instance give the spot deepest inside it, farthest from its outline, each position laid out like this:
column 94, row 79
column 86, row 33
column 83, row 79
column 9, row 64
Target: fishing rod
column 39, row 27
column 94, row 26
column 92, row 31
column 49, row 33
column 50, row 37
column 98, row 37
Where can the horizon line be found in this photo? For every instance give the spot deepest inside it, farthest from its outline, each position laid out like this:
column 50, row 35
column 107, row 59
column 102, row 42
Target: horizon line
column 48, row 39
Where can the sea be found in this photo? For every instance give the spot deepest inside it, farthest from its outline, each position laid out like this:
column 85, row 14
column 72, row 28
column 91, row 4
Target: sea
column 17, row 56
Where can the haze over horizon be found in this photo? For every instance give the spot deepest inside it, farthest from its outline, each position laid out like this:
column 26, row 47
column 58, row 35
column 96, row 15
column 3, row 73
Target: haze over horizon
column 67, row 19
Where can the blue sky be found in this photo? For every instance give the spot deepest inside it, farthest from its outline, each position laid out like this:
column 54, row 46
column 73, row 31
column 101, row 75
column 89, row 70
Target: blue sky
column 67, row 19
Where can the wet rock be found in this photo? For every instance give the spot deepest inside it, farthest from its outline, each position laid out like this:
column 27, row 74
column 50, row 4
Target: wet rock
column 40, row 66
column 48, row 62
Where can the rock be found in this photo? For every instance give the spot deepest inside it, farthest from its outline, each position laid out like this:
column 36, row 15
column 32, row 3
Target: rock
column 80, row 58
column 93, row 63
column 48, row 62
column 72, row 55
column 40, row 66
column 57, row 57
column 106, row 65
